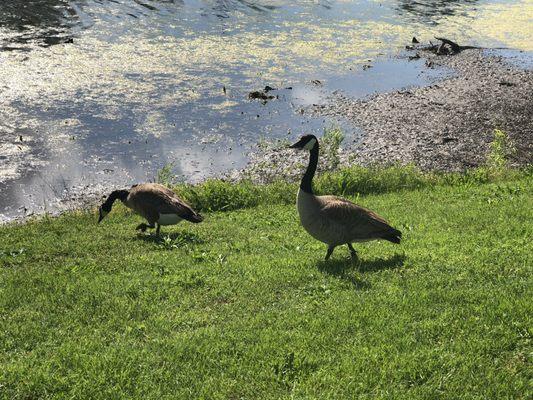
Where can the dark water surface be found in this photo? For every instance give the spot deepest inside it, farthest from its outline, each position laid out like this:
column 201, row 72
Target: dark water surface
column 101, row 93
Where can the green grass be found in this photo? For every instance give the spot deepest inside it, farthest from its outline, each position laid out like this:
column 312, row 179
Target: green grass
column 242, row 305
column 219, row 195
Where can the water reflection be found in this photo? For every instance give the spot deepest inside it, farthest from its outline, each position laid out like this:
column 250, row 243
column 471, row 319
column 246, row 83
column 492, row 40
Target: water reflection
column 431, row 11
column 221, row 9
column 43, row 22
column 228, row 6
column 23, row 14
column 151, row 82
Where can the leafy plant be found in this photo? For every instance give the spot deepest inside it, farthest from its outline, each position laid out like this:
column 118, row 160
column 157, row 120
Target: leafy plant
column 499, row 151
column 331, row 142
column 165, row 176
column 220, row 195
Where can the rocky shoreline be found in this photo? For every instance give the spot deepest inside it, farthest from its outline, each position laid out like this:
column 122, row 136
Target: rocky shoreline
column 447, row 126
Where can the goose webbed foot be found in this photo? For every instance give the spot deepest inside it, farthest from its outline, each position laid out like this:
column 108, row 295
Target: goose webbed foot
column 329, row 252
column 353, row 253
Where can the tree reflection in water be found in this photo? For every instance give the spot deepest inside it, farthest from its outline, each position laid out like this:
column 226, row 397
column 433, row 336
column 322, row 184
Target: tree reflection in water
column 430, row 11
column 48, row 22
column 43, row 22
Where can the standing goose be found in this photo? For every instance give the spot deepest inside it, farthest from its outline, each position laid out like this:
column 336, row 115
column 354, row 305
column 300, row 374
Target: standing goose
column 334, row 220
column 158, row 204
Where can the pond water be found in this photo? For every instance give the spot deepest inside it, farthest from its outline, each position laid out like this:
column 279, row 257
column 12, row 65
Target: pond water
column 101, row 93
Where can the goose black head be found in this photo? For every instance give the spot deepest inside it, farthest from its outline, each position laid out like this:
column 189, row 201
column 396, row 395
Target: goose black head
column 106, row 206
column 306, row 142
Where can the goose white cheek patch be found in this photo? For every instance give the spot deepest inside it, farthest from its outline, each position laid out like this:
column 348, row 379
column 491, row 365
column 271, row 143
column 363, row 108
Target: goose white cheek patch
column 310, row 144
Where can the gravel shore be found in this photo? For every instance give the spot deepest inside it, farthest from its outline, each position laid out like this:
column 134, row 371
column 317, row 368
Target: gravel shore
column 447, row 126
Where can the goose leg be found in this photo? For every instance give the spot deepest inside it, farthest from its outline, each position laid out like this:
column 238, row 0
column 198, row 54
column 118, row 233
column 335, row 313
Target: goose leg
column 329, row 252
column 142, row 227
column 353, row 253
column 158, row 229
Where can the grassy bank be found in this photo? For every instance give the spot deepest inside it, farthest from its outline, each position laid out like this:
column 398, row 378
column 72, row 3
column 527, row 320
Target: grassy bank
column 219, row 195
column 242, row 305
column 352, row 180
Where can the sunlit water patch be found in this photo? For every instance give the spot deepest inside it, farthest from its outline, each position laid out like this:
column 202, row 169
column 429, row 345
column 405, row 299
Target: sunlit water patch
column 97, row 93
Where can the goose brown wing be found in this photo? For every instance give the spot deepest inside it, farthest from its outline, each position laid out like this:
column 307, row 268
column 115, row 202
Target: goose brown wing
column 160, row 199
column 361, row 222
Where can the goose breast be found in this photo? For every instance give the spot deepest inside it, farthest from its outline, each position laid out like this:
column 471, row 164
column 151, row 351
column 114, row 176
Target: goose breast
column 312, row 220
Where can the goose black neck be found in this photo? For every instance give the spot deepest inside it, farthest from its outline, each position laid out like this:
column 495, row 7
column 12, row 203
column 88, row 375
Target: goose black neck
column 307, row 181
column 117, row 195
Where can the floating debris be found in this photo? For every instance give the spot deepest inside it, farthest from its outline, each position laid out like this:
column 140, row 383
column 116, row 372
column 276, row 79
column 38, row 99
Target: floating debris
column 262, row 94
column 446, row 47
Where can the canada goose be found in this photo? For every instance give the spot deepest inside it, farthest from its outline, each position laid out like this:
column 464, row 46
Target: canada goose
column 158, row 204
column 334, row 220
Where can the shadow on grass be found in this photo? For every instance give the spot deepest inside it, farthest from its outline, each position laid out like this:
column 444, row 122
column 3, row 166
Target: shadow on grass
column 171, row 239
column 342, row 268
column 379, row 264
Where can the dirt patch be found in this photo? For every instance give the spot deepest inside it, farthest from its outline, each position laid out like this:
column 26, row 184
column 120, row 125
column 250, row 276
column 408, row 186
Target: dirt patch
column 449, row 125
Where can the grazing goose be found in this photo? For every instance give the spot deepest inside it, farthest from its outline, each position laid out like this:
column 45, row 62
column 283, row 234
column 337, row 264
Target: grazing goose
column 158, row 204
column 334, row 220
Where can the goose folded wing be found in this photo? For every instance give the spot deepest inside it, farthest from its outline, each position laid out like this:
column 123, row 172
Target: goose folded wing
column 165, row 201
column 361, row 222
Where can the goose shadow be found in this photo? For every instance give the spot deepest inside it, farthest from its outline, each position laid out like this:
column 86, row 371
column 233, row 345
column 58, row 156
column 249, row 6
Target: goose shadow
column 342, row 268
column 171, row 239
column 380, row 264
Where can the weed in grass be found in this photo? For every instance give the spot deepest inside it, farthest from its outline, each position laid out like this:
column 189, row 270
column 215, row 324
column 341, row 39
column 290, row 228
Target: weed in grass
column 219, row 195
column 12, row 253
column 172, row 240
column 331, row 142
column 11, row 258
column 501, row 149
column 288, row 371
